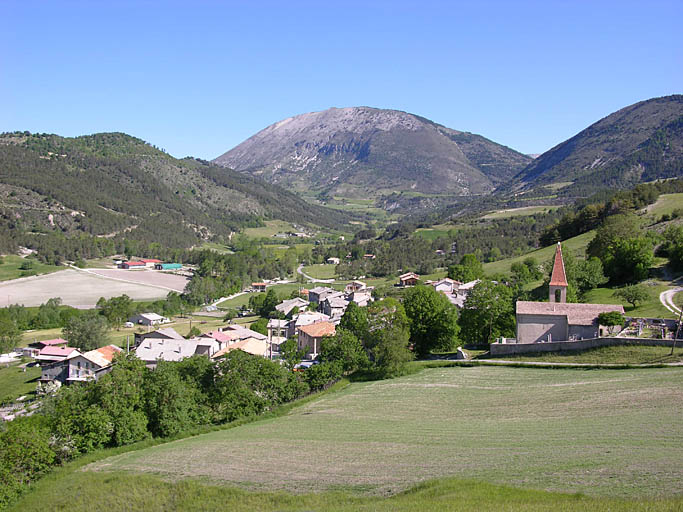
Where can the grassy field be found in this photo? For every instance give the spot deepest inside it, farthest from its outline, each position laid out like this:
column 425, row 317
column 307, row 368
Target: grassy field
column 219, row 248
column 14, row 382
column 652, row 308
column 666, row 204
column 320, row 271
column 600, row 432
column 271, row 228
column 82, row 492
column 628, row 354
column 9, row 269
column 577, row 245
column 431, row 233
column 519, row 212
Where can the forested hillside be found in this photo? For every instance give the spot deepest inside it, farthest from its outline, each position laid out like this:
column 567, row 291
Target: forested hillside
column 639, row 143
column 56, row 190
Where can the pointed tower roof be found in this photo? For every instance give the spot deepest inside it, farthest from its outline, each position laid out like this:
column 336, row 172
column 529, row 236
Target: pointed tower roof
column 558, row 277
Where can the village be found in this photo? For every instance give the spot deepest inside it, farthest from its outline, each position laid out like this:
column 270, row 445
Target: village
column 315, row 314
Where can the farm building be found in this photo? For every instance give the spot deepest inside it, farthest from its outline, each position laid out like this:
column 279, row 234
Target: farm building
column 168, row 266
column 333, row 261
column 556, row 320
column 150, row 262
column 258, row 287
column 128, row 265
column 34, row 348
column 148, row 319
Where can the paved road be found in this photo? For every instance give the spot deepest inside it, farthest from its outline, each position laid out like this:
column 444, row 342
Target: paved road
column 667, row 300
column 300, row 270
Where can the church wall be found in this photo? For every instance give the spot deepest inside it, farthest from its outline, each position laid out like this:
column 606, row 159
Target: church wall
column 535, row 328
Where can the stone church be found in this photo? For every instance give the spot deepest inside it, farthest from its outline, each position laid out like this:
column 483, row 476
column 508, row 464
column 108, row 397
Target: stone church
column 558, row 320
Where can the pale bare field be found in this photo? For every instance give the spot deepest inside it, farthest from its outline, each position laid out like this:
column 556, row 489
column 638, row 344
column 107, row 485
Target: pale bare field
column 150, row 277
column 82, row 289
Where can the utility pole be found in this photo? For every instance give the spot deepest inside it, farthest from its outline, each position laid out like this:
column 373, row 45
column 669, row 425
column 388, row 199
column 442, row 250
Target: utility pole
column 678, row 329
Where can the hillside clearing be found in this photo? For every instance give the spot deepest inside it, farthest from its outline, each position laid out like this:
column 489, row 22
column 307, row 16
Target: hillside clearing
column 600, row 432
column 11, row 263
column 577, row 245
column 519, row 212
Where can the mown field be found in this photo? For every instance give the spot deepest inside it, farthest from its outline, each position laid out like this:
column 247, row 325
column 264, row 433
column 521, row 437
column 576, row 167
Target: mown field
column 599, row 432
column 272, row 227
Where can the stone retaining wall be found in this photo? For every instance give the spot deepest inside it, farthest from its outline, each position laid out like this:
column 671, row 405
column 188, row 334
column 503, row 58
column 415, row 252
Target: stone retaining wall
column 504, row 349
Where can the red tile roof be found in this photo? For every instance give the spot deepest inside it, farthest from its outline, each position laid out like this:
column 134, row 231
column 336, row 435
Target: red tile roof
column 134, row 263
column 558, row 277
column 318, row 329
column 109, row 351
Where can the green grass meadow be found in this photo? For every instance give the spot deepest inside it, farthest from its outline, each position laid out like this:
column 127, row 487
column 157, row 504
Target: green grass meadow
column 9, row 269
column 320, row 271
column 449, row 438
column 604, row 433
column 577, row 245
column 15, row 382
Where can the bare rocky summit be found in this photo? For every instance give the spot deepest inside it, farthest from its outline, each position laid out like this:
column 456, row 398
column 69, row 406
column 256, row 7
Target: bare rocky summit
column 367, row 152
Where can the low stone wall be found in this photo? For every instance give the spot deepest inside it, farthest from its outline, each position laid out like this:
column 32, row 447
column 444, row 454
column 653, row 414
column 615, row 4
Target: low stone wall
column 504, row 349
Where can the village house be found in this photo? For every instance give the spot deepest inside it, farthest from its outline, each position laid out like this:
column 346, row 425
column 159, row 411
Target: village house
column 152, row 350
column 408, row 279
column 303, row 319
column 558, row 320
column 334, row 306
column 311, row 337
column 462, row 291
column 446, row 285
column 320, row 293
column 362, row 298
column 355, row 286
column 53, row 354
column 251, row 345
column 165, row 333
column 80, row 367
column 258, row 287
column 286, row 306
column 277, row 332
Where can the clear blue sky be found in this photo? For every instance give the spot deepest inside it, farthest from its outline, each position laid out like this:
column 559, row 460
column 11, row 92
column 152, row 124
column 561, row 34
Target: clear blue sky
column 197, row 78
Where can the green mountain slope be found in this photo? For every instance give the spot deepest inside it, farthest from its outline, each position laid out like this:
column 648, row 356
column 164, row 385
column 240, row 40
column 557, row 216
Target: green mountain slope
column 112, row 184
column 639, row 143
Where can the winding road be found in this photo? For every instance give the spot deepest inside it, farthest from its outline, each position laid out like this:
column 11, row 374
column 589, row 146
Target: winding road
column 300, row 270
column 667, row 299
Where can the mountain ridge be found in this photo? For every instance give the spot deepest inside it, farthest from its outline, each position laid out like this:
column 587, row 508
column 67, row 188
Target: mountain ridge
column 364, row 151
